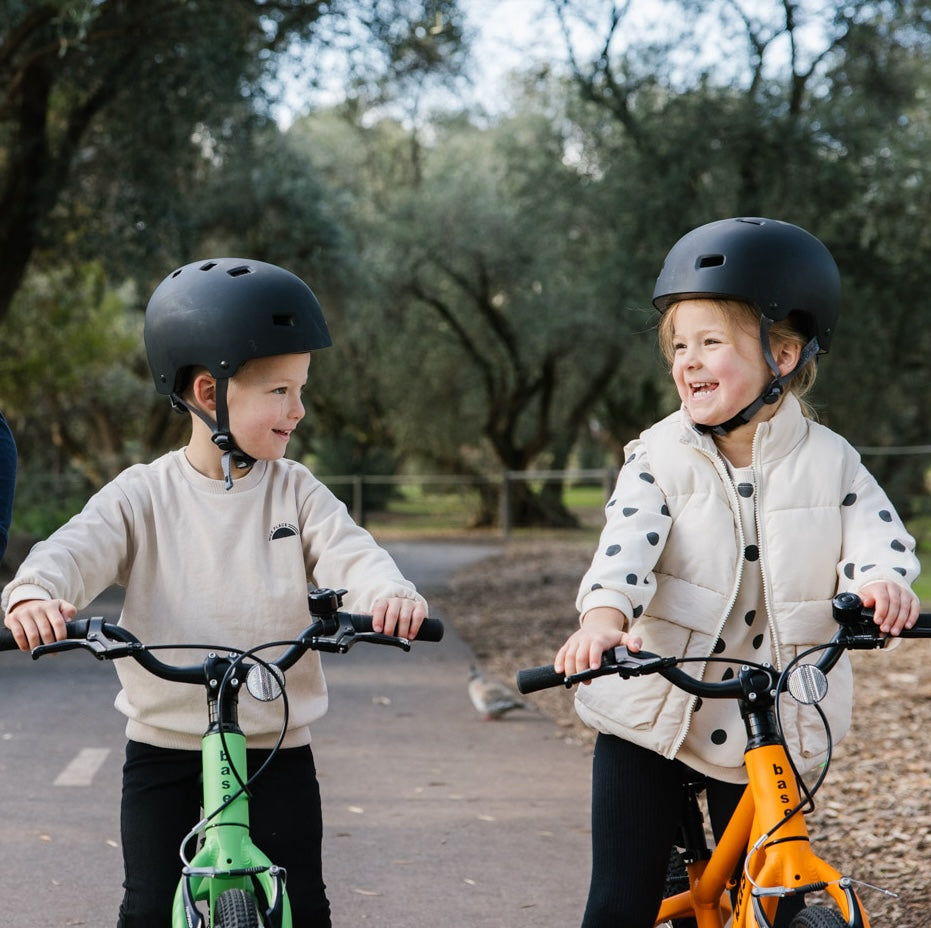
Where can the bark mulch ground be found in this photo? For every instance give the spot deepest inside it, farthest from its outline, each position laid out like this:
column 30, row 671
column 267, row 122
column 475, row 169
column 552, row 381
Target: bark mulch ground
column 873, row 814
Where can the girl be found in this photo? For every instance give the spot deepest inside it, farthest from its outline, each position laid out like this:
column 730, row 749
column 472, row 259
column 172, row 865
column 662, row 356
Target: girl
column 734, row 522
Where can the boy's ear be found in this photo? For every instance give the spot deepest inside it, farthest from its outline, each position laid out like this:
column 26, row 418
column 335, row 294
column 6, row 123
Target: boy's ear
column 204, row 391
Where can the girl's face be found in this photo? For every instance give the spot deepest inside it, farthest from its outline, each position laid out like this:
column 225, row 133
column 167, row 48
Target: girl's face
column 717, row 363
column 265, row 404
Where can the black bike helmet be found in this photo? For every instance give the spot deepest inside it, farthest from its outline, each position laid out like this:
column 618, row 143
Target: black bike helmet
column 218, row 314
column 779, row 268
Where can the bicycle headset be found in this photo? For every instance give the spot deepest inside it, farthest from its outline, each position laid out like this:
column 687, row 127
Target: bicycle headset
column 218, row 314
column 781, row 270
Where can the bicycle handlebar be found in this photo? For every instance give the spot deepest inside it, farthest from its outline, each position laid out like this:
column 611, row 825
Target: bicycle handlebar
column 332, row 631
column 856, row 631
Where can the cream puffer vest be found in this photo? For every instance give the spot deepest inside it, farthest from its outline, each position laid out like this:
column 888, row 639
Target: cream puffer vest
column 813, row 544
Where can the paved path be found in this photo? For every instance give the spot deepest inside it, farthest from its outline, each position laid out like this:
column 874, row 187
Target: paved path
column 432, row 816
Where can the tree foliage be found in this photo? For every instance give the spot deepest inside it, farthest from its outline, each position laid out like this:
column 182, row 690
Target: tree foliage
column 111, row 112
column 487, row 280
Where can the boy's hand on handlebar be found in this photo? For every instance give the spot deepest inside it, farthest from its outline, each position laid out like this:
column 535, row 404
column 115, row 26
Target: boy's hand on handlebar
column 39, row 621
column 602, row 628
column 398, row 616
column 894, row 607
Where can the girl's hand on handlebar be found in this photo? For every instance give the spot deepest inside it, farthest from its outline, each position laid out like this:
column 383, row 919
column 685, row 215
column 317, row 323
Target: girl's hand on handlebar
column 398, row 616
column 894, row 607
column 39, row 621
column 602, row 628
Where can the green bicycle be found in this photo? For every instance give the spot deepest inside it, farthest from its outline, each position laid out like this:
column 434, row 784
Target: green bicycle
column 230, row 882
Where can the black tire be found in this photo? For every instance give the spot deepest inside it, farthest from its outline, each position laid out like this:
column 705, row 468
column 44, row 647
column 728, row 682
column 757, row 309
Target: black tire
column 677, row 881
column 816, row 916
column 236, row 909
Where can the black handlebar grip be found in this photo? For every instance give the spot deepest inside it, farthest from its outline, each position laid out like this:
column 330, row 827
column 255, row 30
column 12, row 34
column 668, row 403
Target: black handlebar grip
column 532, row 679
column 921, row 628
column 430, row 630
column 7, row 641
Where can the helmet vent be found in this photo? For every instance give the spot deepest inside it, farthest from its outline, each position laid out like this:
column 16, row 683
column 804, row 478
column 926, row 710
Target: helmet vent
column 283, row 319
column 239, row 271
column 710, row 261
column 207, row 266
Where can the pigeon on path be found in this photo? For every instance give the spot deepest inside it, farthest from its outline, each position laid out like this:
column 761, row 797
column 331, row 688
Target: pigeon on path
column 491, row 697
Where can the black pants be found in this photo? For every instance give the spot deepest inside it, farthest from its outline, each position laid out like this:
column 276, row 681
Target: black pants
column 637, row 801
column 161, row 803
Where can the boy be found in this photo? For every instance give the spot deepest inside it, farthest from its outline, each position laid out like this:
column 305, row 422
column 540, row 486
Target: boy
column 216, row 542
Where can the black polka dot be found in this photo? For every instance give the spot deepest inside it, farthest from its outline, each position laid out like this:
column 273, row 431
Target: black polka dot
column 898, row 546
column 745, row 489
column 752, row 553
column 638, row 611
column 866, row 567
column 900, row 570
column 849, row 499
column 757, row 642
column 653, row 538
column 719, row 646
column 885, row 515
column 718, row 736
column 611, row 503
column 648, row 478
column 597, row 586
column 629, row 510
column 848, row 571
column 633, row 457
column 749, row 617
column 611, row 550
column 728, row 674
column 698, row 704
column 664, row 510
column 632, row 578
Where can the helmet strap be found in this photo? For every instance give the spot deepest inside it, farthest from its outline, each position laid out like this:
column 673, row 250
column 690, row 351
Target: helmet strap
column 221, row 435
column 776, row 388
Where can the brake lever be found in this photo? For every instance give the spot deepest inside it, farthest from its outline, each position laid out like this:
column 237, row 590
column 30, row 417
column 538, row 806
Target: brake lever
column 347, row 636
column 623, row 663
column 94, row 641
column 628, row 664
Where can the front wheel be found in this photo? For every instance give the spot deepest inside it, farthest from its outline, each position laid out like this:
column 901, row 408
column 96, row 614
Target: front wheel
column 816, row 916
column 236, row 908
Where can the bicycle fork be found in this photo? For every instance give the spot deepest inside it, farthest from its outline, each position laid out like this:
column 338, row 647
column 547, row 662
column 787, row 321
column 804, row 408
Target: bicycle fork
column 227, row 859
column 793, row 867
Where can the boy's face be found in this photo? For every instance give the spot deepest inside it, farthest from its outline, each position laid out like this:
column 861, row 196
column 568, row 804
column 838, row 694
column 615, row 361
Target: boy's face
column 265, row 406
column 717, row 364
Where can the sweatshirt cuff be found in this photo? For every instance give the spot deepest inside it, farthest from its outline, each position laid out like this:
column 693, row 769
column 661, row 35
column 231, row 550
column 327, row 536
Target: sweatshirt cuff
column 603, row 597
column 22, row 592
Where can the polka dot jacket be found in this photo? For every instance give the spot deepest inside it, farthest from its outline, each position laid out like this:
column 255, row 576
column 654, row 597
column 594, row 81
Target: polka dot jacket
column 674, row 554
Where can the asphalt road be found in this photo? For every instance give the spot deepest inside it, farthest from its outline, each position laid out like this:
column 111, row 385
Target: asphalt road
column 431, row 816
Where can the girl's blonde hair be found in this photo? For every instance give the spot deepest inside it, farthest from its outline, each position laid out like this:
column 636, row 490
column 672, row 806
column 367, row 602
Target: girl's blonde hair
column 736, row 313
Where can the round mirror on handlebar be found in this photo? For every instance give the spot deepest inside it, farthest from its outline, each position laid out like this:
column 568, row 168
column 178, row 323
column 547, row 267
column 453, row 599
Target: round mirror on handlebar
column 265, row 682
column 808, row 684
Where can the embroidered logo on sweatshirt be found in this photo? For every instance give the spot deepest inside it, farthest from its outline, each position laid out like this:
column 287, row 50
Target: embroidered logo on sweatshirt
column 282, row 530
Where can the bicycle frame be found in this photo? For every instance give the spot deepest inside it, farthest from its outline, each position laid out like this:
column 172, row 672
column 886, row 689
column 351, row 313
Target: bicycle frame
column 228, row 858
column 785, row 859
column 768, row 825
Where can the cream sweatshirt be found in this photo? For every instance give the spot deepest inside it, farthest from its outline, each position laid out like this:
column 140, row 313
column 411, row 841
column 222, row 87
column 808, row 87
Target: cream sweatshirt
column 201, row 564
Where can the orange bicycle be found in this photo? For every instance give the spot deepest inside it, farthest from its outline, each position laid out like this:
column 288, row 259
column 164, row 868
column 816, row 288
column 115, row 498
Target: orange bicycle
column 765, row 853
